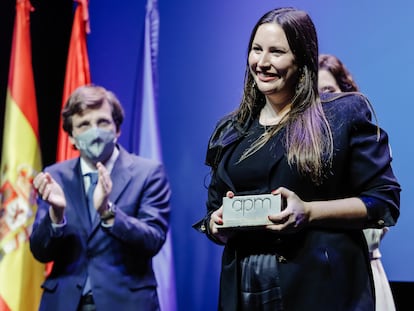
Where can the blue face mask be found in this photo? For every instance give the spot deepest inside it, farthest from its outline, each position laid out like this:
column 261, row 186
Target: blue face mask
column 96, row 144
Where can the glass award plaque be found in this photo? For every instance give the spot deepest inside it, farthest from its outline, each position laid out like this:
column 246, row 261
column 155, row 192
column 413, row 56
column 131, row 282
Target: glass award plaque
column 250, row 210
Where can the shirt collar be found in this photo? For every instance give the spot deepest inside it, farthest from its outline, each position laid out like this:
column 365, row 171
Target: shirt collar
column 85, row 168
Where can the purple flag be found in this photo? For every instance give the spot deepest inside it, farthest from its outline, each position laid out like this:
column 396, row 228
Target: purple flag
column 149, row 147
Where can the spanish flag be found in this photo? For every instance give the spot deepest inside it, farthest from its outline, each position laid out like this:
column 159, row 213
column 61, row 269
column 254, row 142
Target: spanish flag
column 20, row 274
column 77, row 72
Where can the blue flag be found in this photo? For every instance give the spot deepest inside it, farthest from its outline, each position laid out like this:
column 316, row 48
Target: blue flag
column 148, row 145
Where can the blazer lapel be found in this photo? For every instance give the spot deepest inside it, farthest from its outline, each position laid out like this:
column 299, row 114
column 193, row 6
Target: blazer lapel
column 277, row 151
column 222, row 168
column 73, row 184
column 120, row 175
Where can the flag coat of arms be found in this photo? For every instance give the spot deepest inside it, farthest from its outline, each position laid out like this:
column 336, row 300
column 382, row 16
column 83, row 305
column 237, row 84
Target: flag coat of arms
column 20, row 274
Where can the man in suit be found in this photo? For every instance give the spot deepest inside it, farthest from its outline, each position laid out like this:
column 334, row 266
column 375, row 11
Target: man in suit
column 101, row 246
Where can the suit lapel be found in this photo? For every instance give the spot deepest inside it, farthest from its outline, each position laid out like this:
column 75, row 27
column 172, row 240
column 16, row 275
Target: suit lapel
column 120, row 175
column 75, row 194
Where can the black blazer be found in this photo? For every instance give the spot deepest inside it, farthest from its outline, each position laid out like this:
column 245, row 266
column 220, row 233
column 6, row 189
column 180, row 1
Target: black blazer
column 321, row 269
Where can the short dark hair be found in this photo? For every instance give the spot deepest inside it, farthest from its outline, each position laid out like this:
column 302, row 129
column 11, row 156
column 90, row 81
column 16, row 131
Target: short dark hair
column 90, row 96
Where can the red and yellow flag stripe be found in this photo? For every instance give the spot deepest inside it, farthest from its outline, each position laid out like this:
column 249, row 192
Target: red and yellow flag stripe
column 20, row 274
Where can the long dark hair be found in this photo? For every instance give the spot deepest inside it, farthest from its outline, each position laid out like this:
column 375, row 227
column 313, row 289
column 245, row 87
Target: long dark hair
column 308, row 136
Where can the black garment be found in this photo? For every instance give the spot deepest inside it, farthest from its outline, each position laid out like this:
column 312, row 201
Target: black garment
column 87, row 303
column 259, row 283
column 319, row 268
column 251, row 175
column 259, row 287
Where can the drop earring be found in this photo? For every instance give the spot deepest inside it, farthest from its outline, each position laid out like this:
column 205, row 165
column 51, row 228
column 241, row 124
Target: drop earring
column 301, row 82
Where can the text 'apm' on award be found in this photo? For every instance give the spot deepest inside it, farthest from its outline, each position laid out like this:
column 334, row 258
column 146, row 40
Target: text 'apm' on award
column 250, row 210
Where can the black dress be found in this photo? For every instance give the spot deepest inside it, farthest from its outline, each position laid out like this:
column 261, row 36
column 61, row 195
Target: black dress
column 318, row 267
column 259, row 285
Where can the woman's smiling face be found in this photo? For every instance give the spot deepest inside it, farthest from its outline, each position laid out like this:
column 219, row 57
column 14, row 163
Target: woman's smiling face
column 272, row 63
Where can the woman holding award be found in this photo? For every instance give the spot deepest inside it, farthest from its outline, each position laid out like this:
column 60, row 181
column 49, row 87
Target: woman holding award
column 329, row 163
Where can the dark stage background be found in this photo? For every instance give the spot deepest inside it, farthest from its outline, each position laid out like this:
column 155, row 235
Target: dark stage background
column 201, row 67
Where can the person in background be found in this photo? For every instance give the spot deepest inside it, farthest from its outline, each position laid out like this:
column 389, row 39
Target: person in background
column 329, row 163
column 335, row 78
column 101, row 244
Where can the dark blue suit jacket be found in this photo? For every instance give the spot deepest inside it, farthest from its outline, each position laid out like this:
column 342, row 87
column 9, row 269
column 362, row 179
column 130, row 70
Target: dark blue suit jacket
column 319, row 268
column 117, row 259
